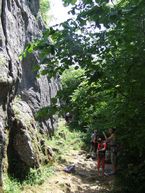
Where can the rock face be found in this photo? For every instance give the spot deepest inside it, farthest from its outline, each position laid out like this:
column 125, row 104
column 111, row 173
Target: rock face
column 26, row 147
column 22, row 94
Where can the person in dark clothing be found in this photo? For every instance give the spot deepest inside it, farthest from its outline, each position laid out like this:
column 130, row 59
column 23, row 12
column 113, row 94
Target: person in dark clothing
column 94, row 139
column 68, row 117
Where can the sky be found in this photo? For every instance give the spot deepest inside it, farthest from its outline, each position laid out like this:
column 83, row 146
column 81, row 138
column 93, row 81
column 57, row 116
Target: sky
column 58, row 12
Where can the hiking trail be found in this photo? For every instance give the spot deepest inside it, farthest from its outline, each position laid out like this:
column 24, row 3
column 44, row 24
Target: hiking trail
column 83, row 180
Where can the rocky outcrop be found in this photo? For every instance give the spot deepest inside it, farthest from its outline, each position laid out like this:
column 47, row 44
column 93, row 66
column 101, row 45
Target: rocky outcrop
column 26, row 147
column 20, row 24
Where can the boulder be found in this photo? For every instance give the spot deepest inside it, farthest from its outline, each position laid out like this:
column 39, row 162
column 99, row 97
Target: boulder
column 25, row 149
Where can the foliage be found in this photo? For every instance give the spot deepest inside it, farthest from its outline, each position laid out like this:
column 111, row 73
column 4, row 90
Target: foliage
column 70, row 80
column 11, row 185
column 39, row 176
column 106, row 38
column 64, row 138
column 36, row 176
column 81, row 100
column 44, row 8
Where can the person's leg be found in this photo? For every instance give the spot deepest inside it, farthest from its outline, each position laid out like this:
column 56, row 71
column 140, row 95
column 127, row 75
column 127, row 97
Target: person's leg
column 113, row 161
column 94, row 150
column 92, row 147
column 98, row 166
column 96, row 145
column 103, row 165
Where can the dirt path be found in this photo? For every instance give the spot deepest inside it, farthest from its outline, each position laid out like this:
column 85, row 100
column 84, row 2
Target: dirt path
column 83, row 180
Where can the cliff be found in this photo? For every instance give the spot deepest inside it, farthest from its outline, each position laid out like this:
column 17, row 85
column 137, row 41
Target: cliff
column 22, row 94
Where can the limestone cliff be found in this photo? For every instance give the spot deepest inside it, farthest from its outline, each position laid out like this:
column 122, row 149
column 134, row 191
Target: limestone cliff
column 22, row 94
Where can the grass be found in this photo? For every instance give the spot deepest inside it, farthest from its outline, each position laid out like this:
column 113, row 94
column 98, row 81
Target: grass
column 38, row 176
column 63, row 141
column 11, row 185
column 35, row 177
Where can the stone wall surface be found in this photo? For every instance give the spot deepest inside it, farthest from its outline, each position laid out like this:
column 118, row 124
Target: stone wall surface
column 20, row 24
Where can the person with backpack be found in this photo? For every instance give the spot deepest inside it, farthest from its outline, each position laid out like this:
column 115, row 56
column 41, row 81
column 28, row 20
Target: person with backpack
column 101, row 149
column 94, row 138
column 113, row 149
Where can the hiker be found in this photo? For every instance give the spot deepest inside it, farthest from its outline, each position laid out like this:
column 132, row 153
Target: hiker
column 113, row 148
column 101, row 149
column 2, row 147
column 68, row 117
column 94, row 138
